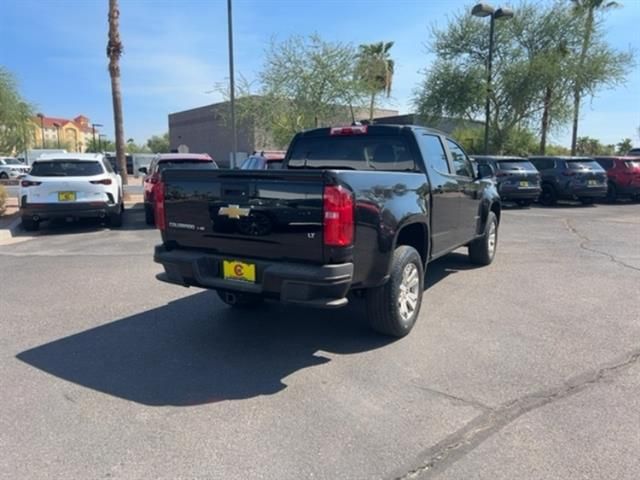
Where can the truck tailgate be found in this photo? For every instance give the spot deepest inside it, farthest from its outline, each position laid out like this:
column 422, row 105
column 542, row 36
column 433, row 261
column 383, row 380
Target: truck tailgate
column 250, row 214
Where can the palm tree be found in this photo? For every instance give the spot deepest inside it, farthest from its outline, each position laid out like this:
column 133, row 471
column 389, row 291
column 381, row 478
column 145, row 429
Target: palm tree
column 585, row 9
column 114, row 51
column 375, row 70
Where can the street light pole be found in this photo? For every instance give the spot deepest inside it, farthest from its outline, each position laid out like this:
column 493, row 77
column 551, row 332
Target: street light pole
column 93, row 127
column 484, row 10
column 232, row 87
column 41, row 117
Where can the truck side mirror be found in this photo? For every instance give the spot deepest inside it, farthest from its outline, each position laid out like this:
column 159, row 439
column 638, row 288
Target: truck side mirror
column 143, row 170
column 485, row 171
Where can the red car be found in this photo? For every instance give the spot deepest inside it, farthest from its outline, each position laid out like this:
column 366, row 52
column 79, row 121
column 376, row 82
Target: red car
column 265, row 160
column 162, row 162
column 623, row 176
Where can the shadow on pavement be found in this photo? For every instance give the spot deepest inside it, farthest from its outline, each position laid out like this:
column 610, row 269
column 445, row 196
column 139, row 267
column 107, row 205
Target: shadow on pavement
column 194, row 351
column 448, row 265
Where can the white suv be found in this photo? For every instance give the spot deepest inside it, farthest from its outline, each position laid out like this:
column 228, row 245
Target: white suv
column 11, row 168
column 71, row 185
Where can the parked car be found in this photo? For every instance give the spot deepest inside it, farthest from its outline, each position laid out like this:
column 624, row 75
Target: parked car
column 354, row 209
column 113, row 160
column 517, row 178
column 12, row 168
column 570, row 178
column 623, row 176
column 71, row 186
column 634, row 152
column 263, row 161
column 165, row 161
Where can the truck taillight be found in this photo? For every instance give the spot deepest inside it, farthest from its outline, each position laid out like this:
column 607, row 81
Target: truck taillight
column 352, row 130
column 158, row 192
column 338, row 216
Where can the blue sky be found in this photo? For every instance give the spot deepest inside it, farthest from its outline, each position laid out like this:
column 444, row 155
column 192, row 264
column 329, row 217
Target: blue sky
column 176, row 50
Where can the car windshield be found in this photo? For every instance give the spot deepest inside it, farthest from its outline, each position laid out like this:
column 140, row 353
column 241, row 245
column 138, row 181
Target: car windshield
column 357, row 152
column 632, row 163
column 515, row 165
column 66, row 168
column 253, row 163
column 583, row 165
column 12, row 161
column 187, row 163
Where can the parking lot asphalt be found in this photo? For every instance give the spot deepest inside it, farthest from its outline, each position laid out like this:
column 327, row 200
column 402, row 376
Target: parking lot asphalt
column 528, row 368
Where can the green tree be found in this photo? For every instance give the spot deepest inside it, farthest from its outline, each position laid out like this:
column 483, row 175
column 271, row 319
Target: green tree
column 623, row 146
column 133, row 147
column 159, row 143
column 586, row 11
column 375, row 70
column 16, row 116
column 592, row 146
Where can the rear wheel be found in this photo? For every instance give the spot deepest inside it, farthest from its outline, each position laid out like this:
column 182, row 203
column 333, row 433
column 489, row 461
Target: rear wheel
column 3, row 175
column 115, row 219
column 483, row 250
column 29, row 224
column 612, row 192
column 392, row 309
column 524, row 203
column 548, row 196
column 240, row 300
column 148, row 214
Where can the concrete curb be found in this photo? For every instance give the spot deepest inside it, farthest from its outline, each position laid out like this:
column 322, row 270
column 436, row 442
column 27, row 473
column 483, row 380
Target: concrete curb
column 10, row 231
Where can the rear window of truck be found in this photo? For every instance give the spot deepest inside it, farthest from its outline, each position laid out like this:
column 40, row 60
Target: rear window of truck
column 66, row 168
column 353, row 152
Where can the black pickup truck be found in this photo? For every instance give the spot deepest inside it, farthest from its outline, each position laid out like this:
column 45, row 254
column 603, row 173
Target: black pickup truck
column 353, row 209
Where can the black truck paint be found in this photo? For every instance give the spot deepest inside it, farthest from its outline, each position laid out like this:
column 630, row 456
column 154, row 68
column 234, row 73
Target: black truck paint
column 417, row 194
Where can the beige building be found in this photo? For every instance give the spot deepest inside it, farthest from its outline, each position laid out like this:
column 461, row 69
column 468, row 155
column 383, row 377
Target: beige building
column 73, row 134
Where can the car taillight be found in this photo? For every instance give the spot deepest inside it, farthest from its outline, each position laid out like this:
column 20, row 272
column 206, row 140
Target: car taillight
column 29, row 183
column 338, row 216
column 352, row 130
column 106, row 181
column 158, row 191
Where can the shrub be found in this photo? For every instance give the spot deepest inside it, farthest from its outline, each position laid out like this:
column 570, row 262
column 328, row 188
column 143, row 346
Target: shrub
column 3, row 199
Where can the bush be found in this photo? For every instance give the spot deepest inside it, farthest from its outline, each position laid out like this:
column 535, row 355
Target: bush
column 3, row 199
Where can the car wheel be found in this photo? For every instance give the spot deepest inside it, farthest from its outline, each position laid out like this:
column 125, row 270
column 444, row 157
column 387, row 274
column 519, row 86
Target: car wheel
column 392, row 308
column 483, row 250
column 4, row 176
column 148, row 214
column 586, row 200
column 548, row 196
column 29, row 224
column 115, row 219
column 612, row 192
column 524, row 203
column 240, row 300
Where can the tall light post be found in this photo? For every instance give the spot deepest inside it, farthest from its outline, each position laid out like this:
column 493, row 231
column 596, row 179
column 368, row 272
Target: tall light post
column 93, row 128
column 232, row 89
column 57, row 125
column 100, row 137
column 484, row 10
column 41, row 117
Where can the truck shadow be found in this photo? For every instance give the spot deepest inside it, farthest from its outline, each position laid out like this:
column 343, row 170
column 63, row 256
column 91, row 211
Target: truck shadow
column 448, row 265
column 194, row 351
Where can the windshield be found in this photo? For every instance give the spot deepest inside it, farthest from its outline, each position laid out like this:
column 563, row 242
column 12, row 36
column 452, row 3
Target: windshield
column 357, row 152
column 204, row 164
column 632, row 164
column 12, row 161
column 584, row 165
column 515, row 165
column 66, row 168
column 253, row 163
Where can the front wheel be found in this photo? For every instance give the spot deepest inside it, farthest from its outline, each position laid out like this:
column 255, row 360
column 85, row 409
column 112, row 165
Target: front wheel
column 148, row 214
column 548, row 196
column 29, row 224
column 392, row 309
column 4, row 176
column 612, row 192
column 115, row 219
column 240, row 300
column 483, row 250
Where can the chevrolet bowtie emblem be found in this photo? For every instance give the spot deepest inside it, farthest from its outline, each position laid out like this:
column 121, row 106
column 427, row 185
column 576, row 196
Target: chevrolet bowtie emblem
column 234, row 211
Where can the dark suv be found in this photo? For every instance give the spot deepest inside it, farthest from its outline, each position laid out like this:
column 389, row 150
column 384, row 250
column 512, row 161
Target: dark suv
column 517, row 179
column 623, row 176
column 570, row 178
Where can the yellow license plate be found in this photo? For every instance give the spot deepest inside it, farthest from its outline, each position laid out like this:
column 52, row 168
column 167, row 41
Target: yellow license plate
column 524, row 184
column 66, row 196
column 234, row 270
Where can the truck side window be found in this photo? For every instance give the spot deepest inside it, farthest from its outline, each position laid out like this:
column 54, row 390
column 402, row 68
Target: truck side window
column 461, row 163
column 434, row 153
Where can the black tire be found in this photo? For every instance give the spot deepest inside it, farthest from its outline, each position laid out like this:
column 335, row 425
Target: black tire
column 4, row 176
column 29, row 224
column 383, row 303
column 612, row 192
column 149, row 217
column 524, row 203
column 548, row 196
column 240, row 300
column 586, row 200
column 115, row 219
column 481, row 250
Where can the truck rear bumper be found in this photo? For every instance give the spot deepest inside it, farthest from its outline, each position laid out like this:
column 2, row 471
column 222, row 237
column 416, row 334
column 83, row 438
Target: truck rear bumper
column 324, row 286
